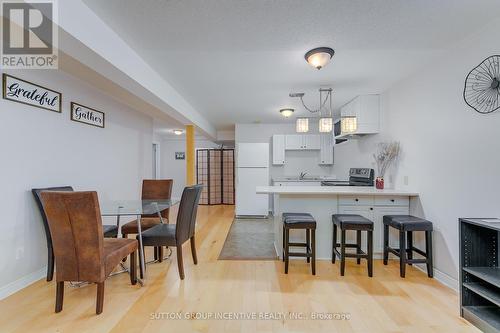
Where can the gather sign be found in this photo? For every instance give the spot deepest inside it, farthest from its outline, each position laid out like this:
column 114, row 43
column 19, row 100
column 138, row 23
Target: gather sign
column 28, row 93
column 86, row 115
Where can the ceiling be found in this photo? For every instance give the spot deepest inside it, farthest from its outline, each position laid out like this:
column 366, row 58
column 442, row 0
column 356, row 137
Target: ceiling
column 237, row 61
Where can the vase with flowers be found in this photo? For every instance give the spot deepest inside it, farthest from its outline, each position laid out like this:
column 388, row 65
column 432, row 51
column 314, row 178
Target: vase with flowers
column 387, row 153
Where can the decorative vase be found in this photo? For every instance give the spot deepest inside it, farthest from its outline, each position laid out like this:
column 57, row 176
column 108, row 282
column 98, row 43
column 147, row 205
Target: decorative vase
column 379, row 183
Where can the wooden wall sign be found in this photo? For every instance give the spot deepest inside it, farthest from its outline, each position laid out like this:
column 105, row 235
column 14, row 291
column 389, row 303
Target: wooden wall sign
column 21, row 91
column 86, row 115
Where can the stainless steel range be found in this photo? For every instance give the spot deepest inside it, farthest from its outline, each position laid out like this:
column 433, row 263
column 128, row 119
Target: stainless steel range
column 357, row 177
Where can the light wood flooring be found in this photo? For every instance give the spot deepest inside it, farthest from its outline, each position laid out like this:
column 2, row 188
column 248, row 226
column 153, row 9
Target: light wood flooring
column 384, row 303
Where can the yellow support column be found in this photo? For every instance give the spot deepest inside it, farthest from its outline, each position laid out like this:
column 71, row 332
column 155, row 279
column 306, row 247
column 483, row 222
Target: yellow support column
column 190, row 155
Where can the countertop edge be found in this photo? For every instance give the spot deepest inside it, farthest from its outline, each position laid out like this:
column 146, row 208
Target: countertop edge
column 347, row 190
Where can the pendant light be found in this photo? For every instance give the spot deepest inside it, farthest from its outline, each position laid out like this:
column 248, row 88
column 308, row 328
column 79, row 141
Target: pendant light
column 302, row 125
column 348, row 125
column 325, row 125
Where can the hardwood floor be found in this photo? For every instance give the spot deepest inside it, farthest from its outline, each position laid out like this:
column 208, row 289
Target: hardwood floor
column 384, row 303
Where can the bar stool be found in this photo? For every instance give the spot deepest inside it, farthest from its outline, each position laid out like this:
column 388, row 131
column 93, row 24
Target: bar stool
column 407, row 224
column 358, row 223
column 300, row 221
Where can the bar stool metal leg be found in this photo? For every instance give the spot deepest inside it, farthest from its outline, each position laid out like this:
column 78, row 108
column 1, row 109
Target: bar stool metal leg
column 386, row 243
column 402, row 253
column 342, row 251
column 283, row 242
column 287, row 238
column 428, row 251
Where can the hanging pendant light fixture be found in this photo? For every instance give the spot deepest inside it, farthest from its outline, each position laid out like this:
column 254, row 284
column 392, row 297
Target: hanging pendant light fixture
column 325, row 125
column 348, row 124
column 302, row 125
column 325, row 113
column 319, row 57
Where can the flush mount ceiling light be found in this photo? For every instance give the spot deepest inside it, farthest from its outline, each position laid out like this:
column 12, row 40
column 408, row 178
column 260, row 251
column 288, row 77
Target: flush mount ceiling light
column 302, row 125
column 319, row 57
column 286, row 112
column 178, row 132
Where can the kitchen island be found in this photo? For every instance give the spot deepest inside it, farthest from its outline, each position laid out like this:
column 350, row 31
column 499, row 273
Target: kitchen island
column 323, row 201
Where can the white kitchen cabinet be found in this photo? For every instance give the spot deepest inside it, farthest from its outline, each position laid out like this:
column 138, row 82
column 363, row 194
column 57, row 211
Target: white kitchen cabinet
column 326, row 150
column 278, row 149
column 366, row 110
column 302, row 142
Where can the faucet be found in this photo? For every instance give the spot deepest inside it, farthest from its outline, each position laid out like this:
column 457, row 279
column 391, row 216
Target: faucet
column 302, row 175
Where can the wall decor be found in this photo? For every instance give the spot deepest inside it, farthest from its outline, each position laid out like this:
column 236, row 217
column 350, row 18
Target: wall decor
column 21, row 91
column 86, row 115
column 180, row 155
column 482, row 86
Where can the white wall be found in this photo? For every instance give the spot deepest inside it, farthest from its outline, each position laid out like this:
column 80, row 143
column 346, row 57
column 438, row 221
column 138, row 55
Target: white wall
column 451, row 154
column 170, row 168
column 42, row 148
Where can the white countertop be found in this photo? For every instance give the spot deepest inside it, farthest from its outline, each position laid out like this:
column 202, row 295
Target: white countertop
column 347, row 190
column 306, row 179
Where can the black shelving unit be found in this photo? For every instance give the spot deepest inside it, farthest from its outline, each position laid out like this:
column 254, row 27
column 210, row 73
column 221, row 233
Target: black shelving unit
column 479, row 273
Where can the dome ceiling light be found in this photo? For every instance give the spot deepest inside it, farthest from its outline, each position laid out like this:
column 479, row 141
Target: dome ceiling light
column 287, row 112
column 319, row 57
column 178, row 132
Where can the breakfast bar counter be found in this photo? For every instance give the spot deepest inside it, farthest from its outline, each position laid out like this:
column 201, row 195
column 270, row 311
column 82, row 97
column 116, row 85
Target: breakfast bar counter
column 324, row 201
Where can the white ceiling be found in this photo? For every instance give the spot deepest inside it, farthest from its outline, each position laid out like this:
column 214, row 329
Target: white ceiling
column 237, row 61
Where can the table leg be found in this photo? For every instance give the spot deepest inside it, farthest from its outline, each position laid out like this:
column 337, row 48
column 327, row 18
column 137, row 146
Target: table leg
column 142, row 260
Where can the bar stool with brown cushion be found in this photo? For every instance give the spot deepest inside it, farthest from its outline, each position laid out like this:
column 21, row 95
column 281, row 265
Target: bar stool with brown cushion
column 81, row 251
column 152, row 189
column 177, row 234
column 108, row 230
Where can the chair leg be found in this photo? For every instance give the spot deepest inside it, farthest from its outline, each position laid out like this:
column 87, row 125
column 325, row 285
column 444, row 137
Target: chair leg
column 283, row 242
column 100, row 298
column 193, row 250
column 123, row 236
column 133, row 268
column 402, row 253
column 155, row 253
column 428, row 252
column 59, row 295
column 50, row 263
column 180, row 263
column 160, row 253
column 141, row 272
column 409, row 247
column 334, row 242
column 358, row 243
column 313, row 251
column 342, row 251
column 370, row 253
column 287, row 238
column 386, row 243
column 308, row 242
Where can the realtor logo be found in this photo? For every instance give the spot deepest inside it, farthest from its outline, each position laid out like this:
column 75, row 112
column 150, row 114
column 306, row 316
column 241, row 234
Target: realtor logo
column 29, row 35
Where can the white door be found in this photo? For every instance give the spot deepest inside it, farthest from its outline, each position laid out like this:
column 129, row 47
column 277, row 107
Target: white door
column 278, row 149
column 156, row 161
column 248, row 202
column 252, row 155
column 312, row 141
column 294, row 142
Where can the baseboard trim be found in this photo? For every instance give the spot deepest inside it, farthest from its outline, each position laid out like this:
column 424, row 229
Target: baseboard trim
column 22, row 283
column 440, row 276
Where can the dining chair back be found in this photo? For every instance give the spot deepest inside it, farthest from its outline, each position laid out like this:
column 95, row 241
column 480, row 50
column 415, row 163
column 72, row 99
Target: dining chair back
column 157, row 189
column 186, row 217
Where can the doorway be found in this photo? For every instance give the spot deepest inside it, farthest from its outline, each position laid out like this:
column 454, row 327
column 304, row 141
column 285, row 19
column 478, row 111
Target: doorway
column 156, row 161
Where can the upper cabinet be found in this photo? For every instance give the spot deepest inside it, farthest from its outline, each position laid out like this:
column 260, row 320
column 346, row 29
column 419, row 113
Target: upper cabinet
column 278, row 149
column 302, row 142
column 360, row 116
column 322, row 143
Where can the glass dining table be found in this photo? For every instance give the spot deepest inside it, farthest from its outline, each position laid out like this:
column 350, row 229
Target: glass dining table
column 136, row 208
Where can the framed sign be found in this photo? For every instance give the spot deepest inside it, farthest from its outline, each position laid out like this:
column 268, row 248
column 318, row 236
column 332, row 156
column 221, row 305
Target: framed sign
column 86, row 115
column 180, row 155
column 21, row 91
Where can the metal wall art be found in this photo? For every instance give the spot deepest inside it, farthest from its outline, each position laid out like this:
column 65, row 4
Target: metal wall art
column 482, row 86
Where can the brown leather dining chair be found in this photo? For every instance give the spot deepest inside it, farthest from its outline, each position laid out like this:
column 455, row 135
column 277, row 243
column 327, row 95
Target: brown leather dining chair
column 80, row 249
column 152, row 189
column 179, row 233
column 108, row 230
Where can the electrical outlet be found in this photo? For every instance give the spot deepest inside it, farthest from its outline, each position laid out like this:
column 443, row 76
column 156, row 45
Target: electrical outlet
column 19, row 253
column 405, row 180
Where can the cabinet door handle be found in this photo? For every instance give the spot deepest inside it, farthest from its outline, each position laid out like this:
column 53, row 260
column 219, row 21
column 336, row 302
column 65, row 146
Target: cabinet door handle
column 371, row 208
column 392, row 200
column 356, row 199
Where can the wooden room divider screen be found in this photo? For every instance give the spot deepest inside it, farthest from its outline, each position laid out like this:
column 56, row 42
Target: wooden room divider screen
column 215, row 170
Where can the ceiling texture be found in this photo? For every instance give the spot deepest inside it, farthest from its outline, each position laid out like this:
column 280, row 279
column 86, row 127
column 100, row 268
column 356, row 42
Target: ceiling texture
column 237, row 61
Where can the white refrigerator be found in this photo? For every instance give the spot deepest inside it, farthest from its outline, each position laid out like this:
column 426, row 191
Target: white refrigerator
column 252, row 170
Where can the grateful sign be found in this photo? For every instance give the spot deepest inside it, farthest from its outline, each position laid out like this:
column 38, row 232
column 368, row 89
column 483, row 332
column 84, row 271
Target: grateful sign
column 21, row 91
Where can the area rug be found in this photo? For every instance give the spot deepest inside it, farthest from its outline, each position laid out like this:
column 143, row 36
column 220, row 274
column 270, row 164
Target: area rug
column 249, row 239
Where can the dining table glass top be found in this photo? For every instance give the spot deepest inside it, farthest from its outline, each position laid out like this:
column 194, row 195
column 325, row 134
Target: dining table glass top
column 135, row 207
